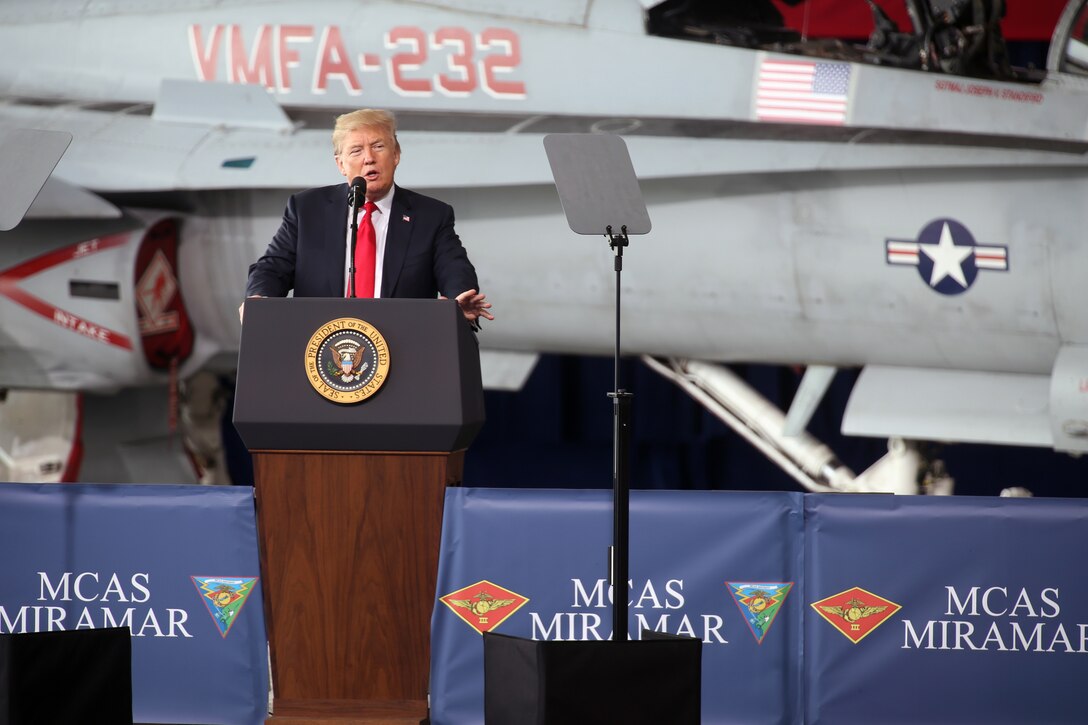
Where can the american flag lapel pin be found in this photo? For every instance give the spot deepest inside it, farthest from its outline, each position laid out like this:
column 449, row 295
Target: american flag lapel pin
column 406, row 218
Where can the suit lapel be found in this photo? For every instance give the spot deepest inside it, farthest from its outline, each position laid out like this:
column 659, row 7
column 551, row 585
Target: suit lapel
column 336, row 232
column 398, row 234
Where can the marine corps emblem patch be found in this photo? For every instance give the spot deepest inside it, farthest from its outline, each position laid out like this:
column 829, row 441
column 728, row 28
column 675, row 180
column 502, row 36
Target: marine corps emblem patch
column 347, row 360
column 224, row 597
column 760, row 603
column 856, row 612
column 484, row 605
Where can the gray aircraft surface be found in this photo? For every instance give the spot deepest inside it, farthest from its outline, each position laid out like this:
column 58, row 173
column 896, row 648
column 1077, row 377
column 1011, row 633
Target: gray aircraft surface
column 911, row 208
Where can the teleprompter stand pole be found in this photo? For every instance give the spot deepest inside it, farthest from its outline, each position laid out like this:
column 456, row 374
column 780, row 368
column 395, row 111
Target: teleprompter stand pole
column 621, row 470
column 600, row 194
column 655, row 677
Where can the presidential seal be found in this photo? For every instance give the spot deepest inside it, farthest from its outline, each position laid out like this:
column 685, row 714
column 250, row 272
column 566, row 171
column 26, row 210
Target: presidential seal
column 347, row 360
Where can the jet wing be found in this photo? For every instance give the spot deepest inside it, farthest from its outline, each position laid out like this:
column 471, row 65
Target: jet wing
column 975, row 405
column 219, row 104
column 61, row 200
column 180, row 146
column 34, row 153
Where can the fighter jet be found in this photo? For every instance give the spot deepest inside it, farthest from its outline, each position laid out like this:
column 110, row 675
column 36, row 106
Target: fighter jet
column 910, row 206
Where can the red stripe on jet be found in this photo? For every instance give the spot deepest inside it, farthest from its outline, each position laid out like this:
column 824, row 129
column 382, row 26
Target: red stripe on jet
column 59, row 317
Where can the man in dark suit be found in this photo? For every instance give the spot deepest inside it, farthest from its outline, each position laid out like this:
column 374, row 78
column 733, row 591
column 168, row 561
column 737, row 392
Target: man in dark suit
column 410, row 239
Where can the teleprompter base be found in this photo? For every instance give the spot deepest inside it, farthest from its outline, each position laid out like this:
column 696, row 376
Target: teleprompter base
column 72, row 676
column 558, row 683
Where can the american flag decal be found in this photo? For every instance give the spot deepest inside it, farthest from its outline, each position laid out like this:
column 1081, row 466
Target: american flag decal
column 803, row 91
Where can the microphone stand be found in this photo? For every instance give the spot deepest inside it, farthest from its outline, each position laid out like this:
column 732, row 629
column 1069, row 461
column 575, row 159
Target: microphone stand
column 356, row 192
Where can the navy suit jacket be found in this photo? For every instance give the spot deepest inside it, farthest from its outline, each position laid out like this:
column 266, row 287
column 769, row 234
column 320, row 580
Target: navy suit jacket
column 423, row 254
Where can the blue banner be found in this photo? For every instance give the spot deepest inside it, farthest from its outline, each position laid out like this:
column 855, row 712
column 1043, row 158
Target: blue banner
column 945, row 610
column 178, row 565
column 721, row 567
column 811, row 608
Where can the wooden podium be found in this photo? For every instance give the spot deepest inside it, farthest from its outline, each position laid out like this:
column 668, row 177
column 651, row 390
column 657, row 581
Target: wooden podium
column 349, row 498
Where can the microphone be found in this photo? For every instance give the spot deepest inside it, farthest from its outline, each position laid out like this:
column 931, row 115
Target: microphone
column 356, row 197
column 358, row 191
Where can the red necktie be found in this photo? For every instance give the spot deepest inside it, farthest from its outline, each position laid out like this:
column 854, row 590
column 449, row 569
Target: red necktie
column 366, row 251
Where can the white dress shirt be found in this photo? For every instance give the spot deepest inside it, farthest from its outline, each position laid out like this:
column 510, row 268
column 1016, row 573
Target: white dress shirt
column 380, row 219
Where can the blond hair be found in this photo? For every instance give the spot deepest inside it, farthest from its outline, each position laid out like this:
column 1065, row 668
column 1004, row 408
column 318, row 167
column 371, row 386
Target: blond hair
column 385, row 121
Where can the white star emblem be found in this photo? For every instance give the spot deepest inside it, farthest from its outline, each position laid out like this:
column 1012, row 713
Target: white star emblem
column 947, row 258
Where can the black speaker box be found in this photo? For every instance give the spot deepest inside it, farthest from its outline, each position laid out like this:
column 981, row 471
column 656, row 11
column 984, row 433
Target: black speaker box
column 77, row 676
column 653, row 681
